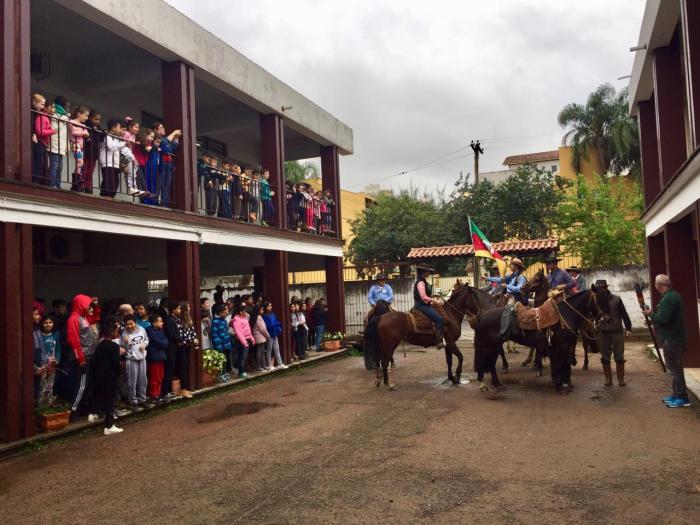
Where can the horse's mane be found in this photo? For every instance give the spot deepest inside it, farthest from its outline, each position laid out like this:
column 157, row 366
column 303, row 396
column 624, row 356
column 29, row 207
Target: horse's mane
column 483, row 298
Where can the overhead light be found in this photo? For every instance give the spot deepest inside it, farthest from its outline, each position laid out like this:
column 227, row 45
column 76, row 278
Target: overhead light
column 287, row 108
column 638, row 48
column 625, row 77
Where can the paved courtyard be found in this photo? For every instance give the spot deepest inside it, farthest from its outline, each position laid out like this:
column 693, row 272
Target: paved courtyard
column 321, row 445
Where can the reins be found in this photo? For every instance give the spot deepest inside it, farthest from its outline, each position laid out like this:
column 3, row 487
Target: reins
column 591, row 299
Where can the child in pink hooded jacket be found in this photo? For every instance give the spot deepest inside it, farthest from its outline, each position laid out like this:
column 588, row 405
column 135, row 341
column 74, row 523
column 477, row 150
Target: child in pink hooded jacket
column 244, row 340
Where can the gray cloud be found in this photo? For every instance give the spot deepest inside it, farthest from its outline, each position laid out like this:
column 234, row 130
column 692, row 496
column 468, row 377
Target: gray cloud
column 416, row 80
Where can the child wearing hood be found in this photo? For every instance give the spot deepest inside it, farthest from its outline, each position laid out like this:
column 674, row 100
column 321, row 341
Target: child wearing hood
column 156, row 356
column 82, row 341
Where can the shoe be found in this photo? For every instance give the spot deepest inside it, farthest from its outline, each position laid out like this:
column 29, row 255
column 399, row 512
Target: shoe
column 135, row 408
column 267, row 368
column 186, row 394
column 259, row 369
column 620, row 370
column 114, row 429
column 149, row 404
column 668, row 398
column 607, row 370
column 678, row 402
column 282, row 367
column 120, row 412
column 133, row 191
column 242, row 375
column 170, row 395
column 93, row 418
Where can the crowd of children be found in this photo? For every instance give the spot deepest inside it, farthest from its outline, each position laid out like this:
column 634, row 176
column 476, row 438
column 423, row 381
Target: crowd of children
column 309, row 211
column 143, row 156
column 96, row 357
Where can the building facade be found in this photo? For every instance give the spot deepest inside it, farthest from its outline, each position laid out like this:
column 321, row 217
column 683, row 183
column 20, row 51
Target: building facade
column 665, row 98
column 148, row 61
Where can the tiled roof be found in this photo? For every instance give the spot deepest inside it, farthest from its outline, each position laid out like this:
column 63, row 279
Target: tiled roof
column 529, row 158
column 506, row 247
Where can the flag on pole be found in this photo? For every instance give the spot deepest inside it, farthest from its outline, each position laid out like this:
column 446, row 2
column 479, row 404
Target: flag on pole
column 483, row 248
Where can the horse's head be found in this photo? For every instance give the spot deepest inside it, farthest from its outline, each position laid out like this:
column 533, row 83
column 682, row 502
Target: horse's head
column 465, row 299
column 538, row 283
column 599, row 304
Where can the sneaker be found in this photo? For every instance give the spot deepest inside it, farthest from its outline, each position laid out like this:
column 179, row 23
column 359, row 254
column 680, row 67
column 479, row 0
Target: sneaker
column 259, row 369
column 282, row 367
column 170, row 395
column 118, row 412
column 678, row 402
column 133, row 191
column 93, row 418
column 668, row 398
column 114, row 429
column 149, row 404
column 135, row 408
column 242, row 375
column 267, row 368
column 186, row 394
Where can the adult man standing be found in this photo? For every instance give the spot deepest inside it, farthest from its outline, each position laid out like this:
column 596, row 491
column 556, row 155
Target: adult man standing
column 668, row 318
column 578, row 278
column 422, row 295
column 611, row 339
column 514, row 281
column 558, row 278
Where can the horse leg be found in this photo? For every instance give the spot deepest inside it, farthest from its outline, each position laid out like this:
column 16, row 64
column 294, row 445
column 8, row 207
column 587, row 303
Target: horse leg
column 495, row 381
column 555, row 368
column 528, row 360
column 378, row 379
column 585, row 355
column 573, row 356
column 460, row 359
column 538, row 360
column 448, row 359
column 503, row 358
column 385, row 372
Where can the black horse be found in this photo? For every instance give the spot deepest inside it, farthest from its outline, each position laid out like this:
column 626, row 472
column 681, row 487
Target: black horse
column 488, row 340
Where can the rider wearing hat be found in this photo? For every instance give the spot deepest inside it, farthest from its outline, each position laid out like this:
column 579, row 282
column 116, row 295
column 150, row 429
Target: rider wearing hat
column 422, row 295
column 514, row 281
column 558, row 278
column 380, row 291
column 578, row 277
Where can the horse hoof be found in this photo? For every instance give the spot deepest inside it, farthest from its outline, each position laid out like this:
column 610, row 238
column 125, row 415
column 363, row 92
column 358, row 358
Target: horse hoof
column 526, row 363
column 539, row 373
column 484, row 388
column 391, row 387
column 377, row 383
column 574, row 362
column 504, row 368
column 455, row 380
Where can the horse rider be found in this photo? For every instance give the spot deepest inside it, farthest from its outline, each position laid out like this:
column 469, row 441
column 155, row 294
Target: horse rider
column 578, row 277
column 379, row 292
column 422, row 295
column 611, row 339
column 558, row 278
column 513, row 282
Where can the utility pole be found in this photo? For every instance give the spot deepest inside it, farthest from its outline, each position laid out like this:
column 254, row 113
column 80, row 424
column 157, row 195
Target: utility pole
column 478, row 150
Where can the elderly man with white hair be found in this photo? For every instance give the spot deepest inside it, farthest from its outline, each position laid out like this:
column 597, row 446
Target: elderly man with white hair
column 668, row 320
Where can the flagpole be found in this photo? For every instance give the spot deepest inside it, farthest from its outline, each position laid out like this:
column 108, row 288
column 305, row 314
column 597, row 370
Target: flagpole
column 477, row 272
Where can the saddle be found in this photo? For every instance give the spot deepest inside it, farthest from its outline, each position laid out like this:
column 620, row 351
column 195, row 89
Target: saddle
column 422, row 324
column 538, row 318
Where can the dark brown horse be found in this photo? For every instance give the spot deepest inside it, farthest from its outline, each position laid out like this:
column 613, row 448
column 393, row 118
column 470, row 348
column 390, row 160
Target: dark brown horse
column 384, row 333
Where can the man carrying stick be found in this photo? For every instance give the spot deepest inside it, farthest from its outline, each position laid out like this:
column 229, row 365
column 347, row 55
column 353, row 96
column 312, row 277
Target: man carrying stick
column 668, row 318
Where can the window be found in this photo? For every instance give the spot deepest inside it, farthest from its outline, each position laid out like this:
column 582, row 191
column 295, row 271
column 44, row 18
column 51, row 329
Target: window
column 215, row 147
column 554, row 168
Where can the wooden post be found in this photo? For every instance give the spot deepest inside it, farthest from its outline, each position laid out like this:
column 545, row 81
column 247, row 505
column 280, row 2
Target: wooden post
column 15, row 96
column 656, row 255
column 335, row 294
column 690, row 18
column 183, row 285
column 651, row 176
column 276, row 290
column 16, row 346
column 330, row 172
column 179, row 113
column 272, row 157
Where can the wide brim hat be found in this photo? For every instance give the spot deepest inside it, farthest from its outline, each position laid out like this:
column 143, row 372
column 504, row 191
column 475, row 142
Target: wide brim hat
column 601, row 282
column 517, row 262
column 424, row 268
column 573, row 268
column 552, row 258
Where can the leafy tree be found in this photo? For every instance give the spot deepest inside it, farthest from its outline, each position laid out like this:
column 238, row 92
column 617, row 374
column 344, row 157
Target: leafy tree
column 601, row 224
column 385, row 232
column 295, row 171
column 603, row 123
column 521, row 207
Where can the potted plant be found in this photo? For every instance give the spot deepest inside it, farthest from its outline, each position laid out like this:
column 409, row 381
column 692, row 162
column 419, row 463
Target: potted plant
column 213, row 363
column 52, row 417
column 332, row 341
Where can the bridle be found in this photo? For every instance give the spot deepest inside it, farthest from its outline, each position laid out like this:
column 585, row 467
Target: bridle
column 460, row 312
column 592, row 299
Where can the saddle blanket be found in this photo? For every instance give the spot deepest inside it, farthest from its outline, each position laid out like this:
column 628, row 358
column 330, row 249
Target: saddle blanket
column 537, row 318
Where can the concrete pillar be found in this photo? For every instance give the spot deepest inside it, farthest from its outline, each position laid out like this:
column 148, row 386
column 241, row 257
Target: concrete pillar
column 651, row 177
column 16, row 346
column 681, row 269
column 276, row 290
column 183, row 285
column 656, row 255
column 690, row 18
column 15, row 87
column 669, row 88
column 335, row 294
column 179, row 113
column 330, row 172
column 272, row 158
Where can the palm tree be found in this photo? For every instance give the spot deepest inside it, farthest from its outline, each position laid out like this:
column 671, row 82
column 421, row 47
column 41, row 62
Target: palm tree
column 602, row 124
column 295, row 171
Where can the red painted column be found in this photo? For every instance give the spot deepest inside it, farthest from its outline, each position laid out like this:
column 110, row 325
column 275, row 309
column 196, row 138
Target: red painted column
column 179, row 113
column 330, row 172
column 651, row 178
column 15, row 96
column 272, row 158
column 656, row 255
column 183, row 285
column 16, row 347
column 690, row 18
column 681, row 270
column 669, row 87
column 335, row 294
column 276, row 290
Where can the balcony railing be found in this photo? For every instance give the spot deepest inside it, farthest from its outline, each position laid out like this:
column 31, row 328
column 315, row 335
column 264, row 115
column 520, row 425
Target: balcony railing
column 309, row 211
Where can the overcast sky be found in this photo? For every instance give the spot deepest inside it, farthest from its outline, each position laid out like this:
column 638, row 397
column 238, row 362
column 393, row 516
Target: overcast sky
column 417, row 80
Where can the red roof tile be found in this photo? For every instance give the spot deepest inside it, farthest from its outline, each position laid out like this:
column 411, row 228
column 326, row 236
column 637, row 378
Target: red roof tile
column 506, row 247
column 530, row 158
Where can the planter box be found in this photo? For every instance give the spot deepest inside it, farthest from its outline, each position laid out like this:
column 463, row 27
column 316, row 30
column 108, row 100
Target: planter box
column 53, row 422
column 331, row 346
column 208, row 379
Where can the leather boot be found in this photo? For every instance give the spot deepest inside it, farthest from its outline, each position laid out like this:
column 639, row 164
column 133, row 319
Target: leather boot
column 620, row 369
column 439, row 338
column 607, row 370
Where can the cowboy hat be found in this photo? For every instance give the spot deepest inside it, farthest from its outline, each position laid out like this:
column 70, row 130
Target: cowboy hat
column 552, row 258
column 517, row 262
column 573, row 268
column 424, row 268
column 380, row 277
column 601, row 282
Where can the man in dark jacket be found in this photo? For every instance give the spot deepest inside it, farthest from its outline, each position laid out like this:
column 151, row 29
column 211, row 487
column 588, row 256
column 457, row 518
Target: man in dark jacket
column 611, row 339
column 670, row 325
column 171, row 332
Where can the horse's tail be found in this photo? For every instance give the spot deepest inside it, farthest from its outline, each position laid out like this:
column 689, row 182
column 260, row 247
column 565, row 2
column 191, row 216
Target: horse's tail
column 370, row 345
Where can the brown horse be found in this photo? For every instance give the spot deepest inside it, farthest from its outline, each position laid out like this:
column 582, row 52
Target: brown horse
column 384, row 333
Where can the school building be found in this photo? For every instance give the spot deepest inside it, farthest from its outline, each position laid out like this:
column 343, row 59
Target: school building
column 665, row 98
column 148, row 61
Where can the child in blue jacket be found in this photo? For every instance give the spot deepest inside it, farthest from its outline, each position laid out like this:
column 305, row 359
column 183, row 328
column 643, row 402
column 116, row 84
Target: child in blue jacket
column 274, row 328
column 220, row 338
column 155, row 357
